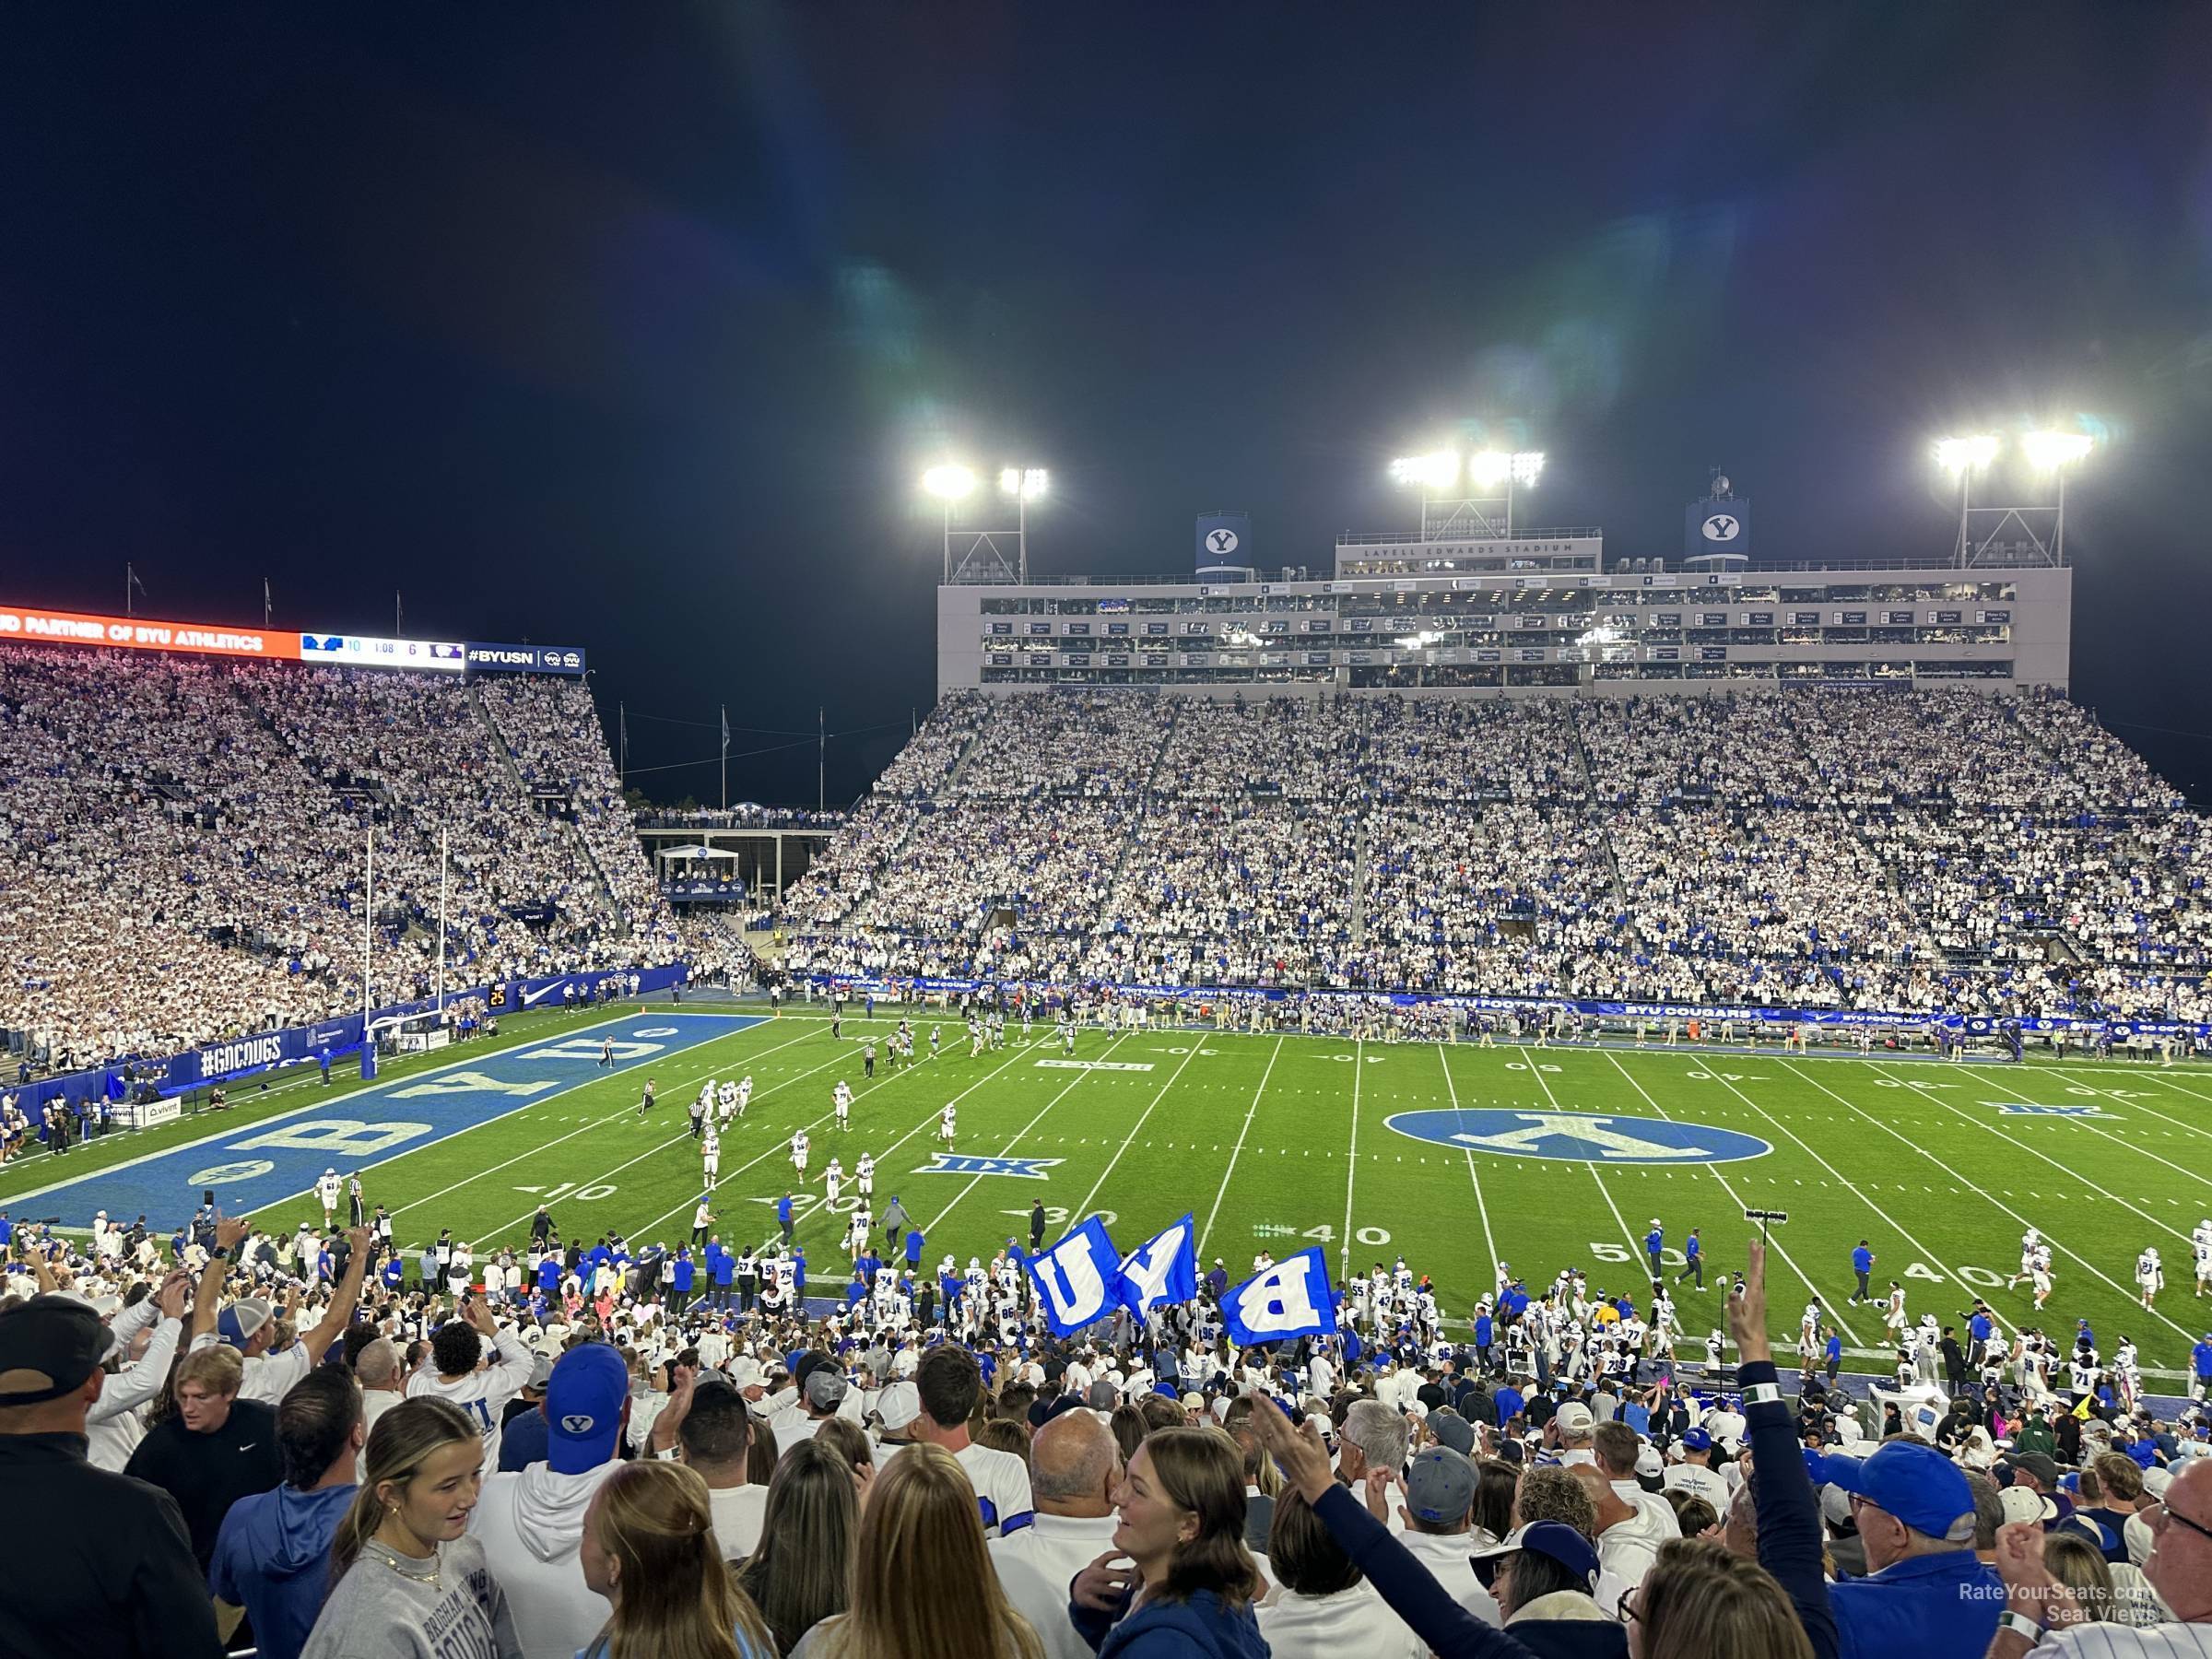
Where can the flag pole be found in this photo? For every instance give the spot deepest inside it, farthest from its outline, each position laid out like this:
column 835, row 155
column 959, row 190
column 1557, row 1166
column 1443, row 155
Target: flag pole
column 368, row 929
column 441, row 855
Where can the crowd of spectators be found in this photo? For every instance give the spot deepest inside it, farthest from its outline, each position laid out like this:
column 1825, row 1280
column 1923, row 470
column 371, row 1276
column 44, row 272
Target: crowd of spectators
column 552, row 1451
column 184, row 845
column 1916, row 852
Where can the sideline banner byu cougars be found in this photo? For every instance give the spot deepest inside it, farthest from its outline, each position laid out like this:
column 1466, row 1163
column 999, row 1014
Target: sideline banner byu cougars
column 1164, row 1270
column 1076, row 1278
column 1291, row 1299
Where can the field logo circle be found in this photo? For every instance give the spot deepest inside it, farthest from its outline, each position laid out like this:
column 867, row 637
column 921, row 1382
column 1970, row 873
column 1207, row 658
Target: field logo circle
column 1578, row 1137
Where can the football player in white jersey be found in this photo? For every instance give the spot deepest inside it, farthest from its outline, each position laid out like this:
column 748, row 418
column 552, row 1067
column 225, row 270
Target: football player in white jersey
column 2028, row 1240
column 833, row 1179
column 725, row 1101
column 326, row 1189
column 1893, row 1317
column 842, row 1098
column 2200, row 1244
column 864, row 1176
column 745, row 1093
column 798, row 1153
column 710, row 1155
column 948, row 1121
column 2151, row 1274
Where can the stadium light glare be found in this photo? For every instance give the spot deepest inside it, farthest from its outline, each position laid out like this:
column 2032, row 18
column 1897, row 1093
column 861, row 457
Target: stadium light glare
column 1525, row 465
column 2047, row 452
column 948, row 483
column 1489, row 468
column 1027, row 483
column 1963, row 454
column 1437, row 470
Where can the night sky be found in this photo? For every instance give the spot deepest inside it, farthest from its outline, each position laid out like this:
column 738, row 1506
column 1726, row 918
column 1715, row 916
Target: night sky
column 631, row 327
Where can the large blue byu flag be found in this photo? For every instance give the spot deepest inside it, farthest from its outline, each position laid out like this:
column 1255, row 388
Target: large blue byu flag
column 1165, row 1270
column 1076, row 1278
column 1291, row 1299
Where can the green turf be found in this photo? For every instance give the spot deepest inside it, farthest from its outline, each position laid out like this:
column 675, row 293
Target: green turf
column 1276, row 1143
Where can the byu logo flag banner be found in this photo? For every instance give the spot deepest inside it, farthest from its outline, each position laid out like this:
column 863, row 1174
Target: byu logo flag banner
column 1165, row 1270
column 1075, row 1279
column 1291, row 1299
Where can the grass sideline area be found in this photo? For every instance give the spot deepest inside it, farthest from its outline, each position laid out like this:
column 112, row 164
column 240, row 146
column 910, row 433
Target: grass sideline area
column 1284, row 1142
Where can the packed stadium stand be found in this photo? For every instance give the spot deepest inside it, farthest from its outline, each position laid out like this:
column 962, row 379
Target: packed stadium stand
column 181, row 845
column 1920, row 850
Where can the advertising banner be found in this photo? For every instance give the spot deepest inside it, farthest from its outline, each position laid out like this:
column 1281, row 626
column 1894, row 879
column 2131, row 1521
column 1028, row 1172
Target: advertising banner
column 20, row 626
column 484, row 658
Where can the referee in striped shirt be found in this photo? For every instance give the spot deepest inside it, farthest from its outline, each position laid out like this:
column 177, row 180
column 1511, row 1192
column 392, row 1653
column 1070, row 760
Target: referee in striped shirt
column 2041, row 1618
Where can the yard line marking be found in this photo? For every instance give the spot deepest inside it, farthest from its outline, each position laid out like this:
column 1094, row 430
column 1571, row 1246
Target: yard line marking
column 2015, row 1141
column 1019, row 1135
column 590, row 1123
column 2177, row 1123
column 2197, row 1094
column 1734, row 1198
column 1351, row 1162
column 1453, row 1088
column 2135, row 1299
column 1206, row 1232
column 2131, row 1146
column 1635, row 1247
column 1848, row 1185
column 1197, row 1049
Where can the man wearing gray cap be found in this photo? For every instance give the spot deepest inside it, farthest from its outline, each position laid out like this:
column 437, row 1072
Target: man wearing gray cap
column 115, row 1574
column 824, row 1392
column 1439, row 1511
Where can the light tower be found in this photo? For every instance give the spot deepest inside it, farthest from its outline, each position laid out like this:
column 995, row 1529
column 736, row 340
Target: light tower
column 986, row 555
column 2027, row 533
column 1461, row 495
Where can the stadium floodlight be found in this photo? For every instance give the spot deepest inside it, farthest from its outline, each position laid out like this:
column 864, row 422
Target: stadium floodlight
column 2047, row 452
column 948, row 482
column 1524, row 466
column 1434, row 472
column 1961, row 455
column 1027, row 482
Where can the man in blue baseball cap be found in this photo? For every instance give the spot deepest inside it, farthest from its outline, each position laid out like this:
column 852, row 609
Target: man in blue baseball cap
column 531, row 1522
column 1926, row 1592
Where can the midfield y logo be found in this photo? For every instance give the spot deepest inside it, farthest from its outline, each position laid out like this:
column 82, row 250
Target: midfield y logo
column 1579, row 1137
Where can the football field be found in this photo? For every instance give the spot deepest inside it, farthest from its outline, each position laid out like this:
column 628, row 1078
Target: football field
column 1455, row 1157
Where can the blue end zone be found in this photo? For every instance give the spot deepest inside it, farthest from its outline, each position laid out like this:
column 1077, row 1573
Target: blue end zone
column 251, row 1166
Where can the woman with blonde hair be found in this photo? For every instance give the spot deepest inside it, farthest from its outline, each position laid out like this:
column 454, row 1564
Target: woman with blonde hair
column 403, row 1560
column 1179, row 1513
column 923, row 1583
column 2084, row 1578
column 801, row 1572
column 649, row 1547
column 1699, row 1602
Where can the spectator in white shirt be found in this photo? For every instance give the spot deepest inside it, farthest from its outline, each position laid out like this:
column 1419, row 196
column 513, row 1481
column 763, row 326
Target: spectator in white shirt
column 1073, row 1468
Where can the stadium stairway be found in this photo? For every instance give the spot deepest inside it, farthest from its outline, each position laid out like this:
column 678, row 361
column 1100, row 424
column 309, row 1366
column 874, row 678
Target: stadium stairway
column 1359, row 882
column 587, row 858
column 1581, row 758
